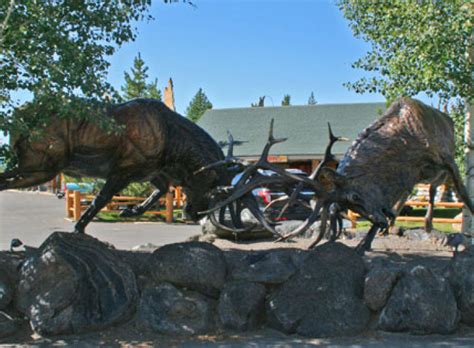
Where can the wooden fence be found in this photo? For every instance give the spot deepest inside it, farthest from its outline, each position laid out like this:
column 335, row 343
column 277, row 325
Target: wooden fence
column 76, row 202
column 353, row 216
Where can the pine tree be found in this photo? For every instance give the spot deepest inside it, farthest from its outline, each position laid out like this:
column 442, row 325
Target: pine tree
column 286, row 100
column 312, row 100
column 153, row 91
column 136, row 85
column 198, row 105
column 260, row 103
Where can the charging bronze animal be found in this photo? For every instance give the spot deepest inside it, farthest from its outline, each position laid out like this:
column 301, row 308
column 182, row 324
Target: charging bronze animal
column 156, row 145
column 411, row 143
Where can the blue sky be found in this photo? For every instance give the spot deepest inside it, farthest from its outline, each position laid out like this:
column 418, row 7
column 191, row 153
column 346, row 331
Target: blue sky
column 238, row 50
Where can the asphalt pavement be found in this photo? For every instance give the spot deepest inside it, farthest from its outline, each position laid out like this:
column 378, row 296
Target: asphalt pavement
column 33, row 216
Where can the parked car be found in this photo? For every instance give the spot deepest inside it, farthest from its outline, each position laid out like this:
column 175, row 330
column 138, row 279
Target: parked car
column 269, row 193
column 83, row 187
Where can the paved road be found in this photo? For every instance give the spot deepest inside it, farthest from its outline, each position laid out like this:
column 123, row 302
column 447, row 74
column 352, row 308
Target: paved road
column 32, row 217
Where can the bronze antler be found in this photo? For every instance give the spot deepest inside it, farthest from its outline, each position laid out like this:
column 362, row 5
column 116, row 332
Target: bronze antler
column 328, row 157
column 229, row 159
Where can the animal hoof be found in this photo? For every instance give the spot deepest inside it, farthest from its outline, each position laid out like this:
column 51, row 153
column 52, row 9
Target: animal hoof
column 360, row 249
column 78, row 230
column 129, row 212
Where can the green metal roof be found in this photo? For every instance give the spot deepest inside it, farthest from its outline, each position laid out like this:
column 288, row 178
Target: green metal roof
column 305, row 127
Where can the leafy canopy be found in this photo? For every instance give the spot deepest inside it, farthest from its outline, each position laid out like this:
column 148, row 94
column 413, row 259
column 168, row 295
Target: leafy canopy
column 417, row 46
column 198, row 106
column 55, row 52
column 312, row 99
column 136, row 85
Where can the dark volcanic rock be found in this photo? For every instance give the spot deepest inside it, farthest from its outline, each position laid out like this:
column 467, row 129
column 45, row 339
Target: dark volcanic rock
column 460, row 274
column 379, row 283
column 168, row 310
column 324, row 298
column 264, row 266
column 194, row 265
column 422, row 302
column 241, row 305
column 10, row 263
column 8, row 326
column 6, row 290
column 75, row 284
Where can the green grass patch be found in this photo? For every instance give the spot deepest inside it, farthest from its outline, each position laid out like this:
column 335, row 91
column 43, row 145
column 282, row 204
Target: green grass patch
column 115, row 217
column 446, row 228
column 447, row 213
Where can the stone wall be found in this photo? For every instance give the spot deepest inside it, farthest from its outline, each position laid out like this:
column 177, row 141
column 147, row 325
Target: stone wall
column 75, row 284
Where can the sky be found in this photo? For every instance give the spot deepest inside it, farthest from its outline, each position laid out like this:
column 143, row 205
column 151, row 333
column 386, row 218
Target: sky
column 239, row 50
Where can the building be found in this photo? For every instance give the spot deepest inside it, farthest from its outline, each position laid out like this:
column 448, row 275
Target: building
column 305, row 127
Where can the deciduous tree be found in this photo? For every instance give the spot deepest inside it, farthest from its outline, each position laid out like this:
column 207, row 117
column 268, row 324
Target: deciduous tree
column 416, row 46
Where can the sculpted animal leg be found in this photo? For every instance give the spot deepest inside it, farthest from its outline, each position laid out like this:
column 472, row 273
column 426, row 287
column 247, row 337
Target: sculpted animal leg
column 22, row 180
column 458, row 184
column 397, row 208
column 336, row 221
column 429, row 212
column 111, row 187
column 139, row 209
column 366, row 243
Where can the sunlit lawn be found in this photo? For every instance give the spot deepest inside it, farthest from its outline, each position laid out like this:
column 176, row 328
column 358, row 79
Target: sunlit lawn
column 114, row 217
column 448, row 213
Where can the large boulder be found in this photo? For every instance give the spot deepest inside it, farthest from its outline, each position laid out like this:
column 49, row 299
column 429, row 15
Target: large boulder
column 10, row 264
column 422, row 302
column 8, row 325
column 379, row 283
column 324, row 298
column 460, row 274
column 168, row 310
column 6, row 289
column 273, row 266
column 75, row 284
column 194, row 265
column 241, row 305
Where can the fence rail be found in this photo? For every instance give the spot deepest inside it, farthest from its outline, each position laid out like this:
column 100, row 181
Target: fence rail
column 76, row 202
column 354, row 216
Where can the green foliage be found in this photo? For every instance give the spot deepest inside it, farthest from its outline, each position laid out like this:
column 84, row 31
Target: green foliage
column 312, row 99
column 136, row 85
column 260, row 103
column 55, row 51
column 417, row 46
column 458, row 115
column 198, row 106
column 286, row 100
column 137, row 189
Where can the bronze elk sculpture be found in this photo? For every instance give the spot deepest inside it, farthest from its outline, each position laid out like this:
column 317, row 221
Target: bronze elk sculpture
column 411, row 143
column 156, row 145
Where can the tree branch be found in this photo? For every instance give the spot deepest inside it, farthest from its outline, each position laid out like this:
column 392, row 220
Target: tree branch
column 5, row 21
